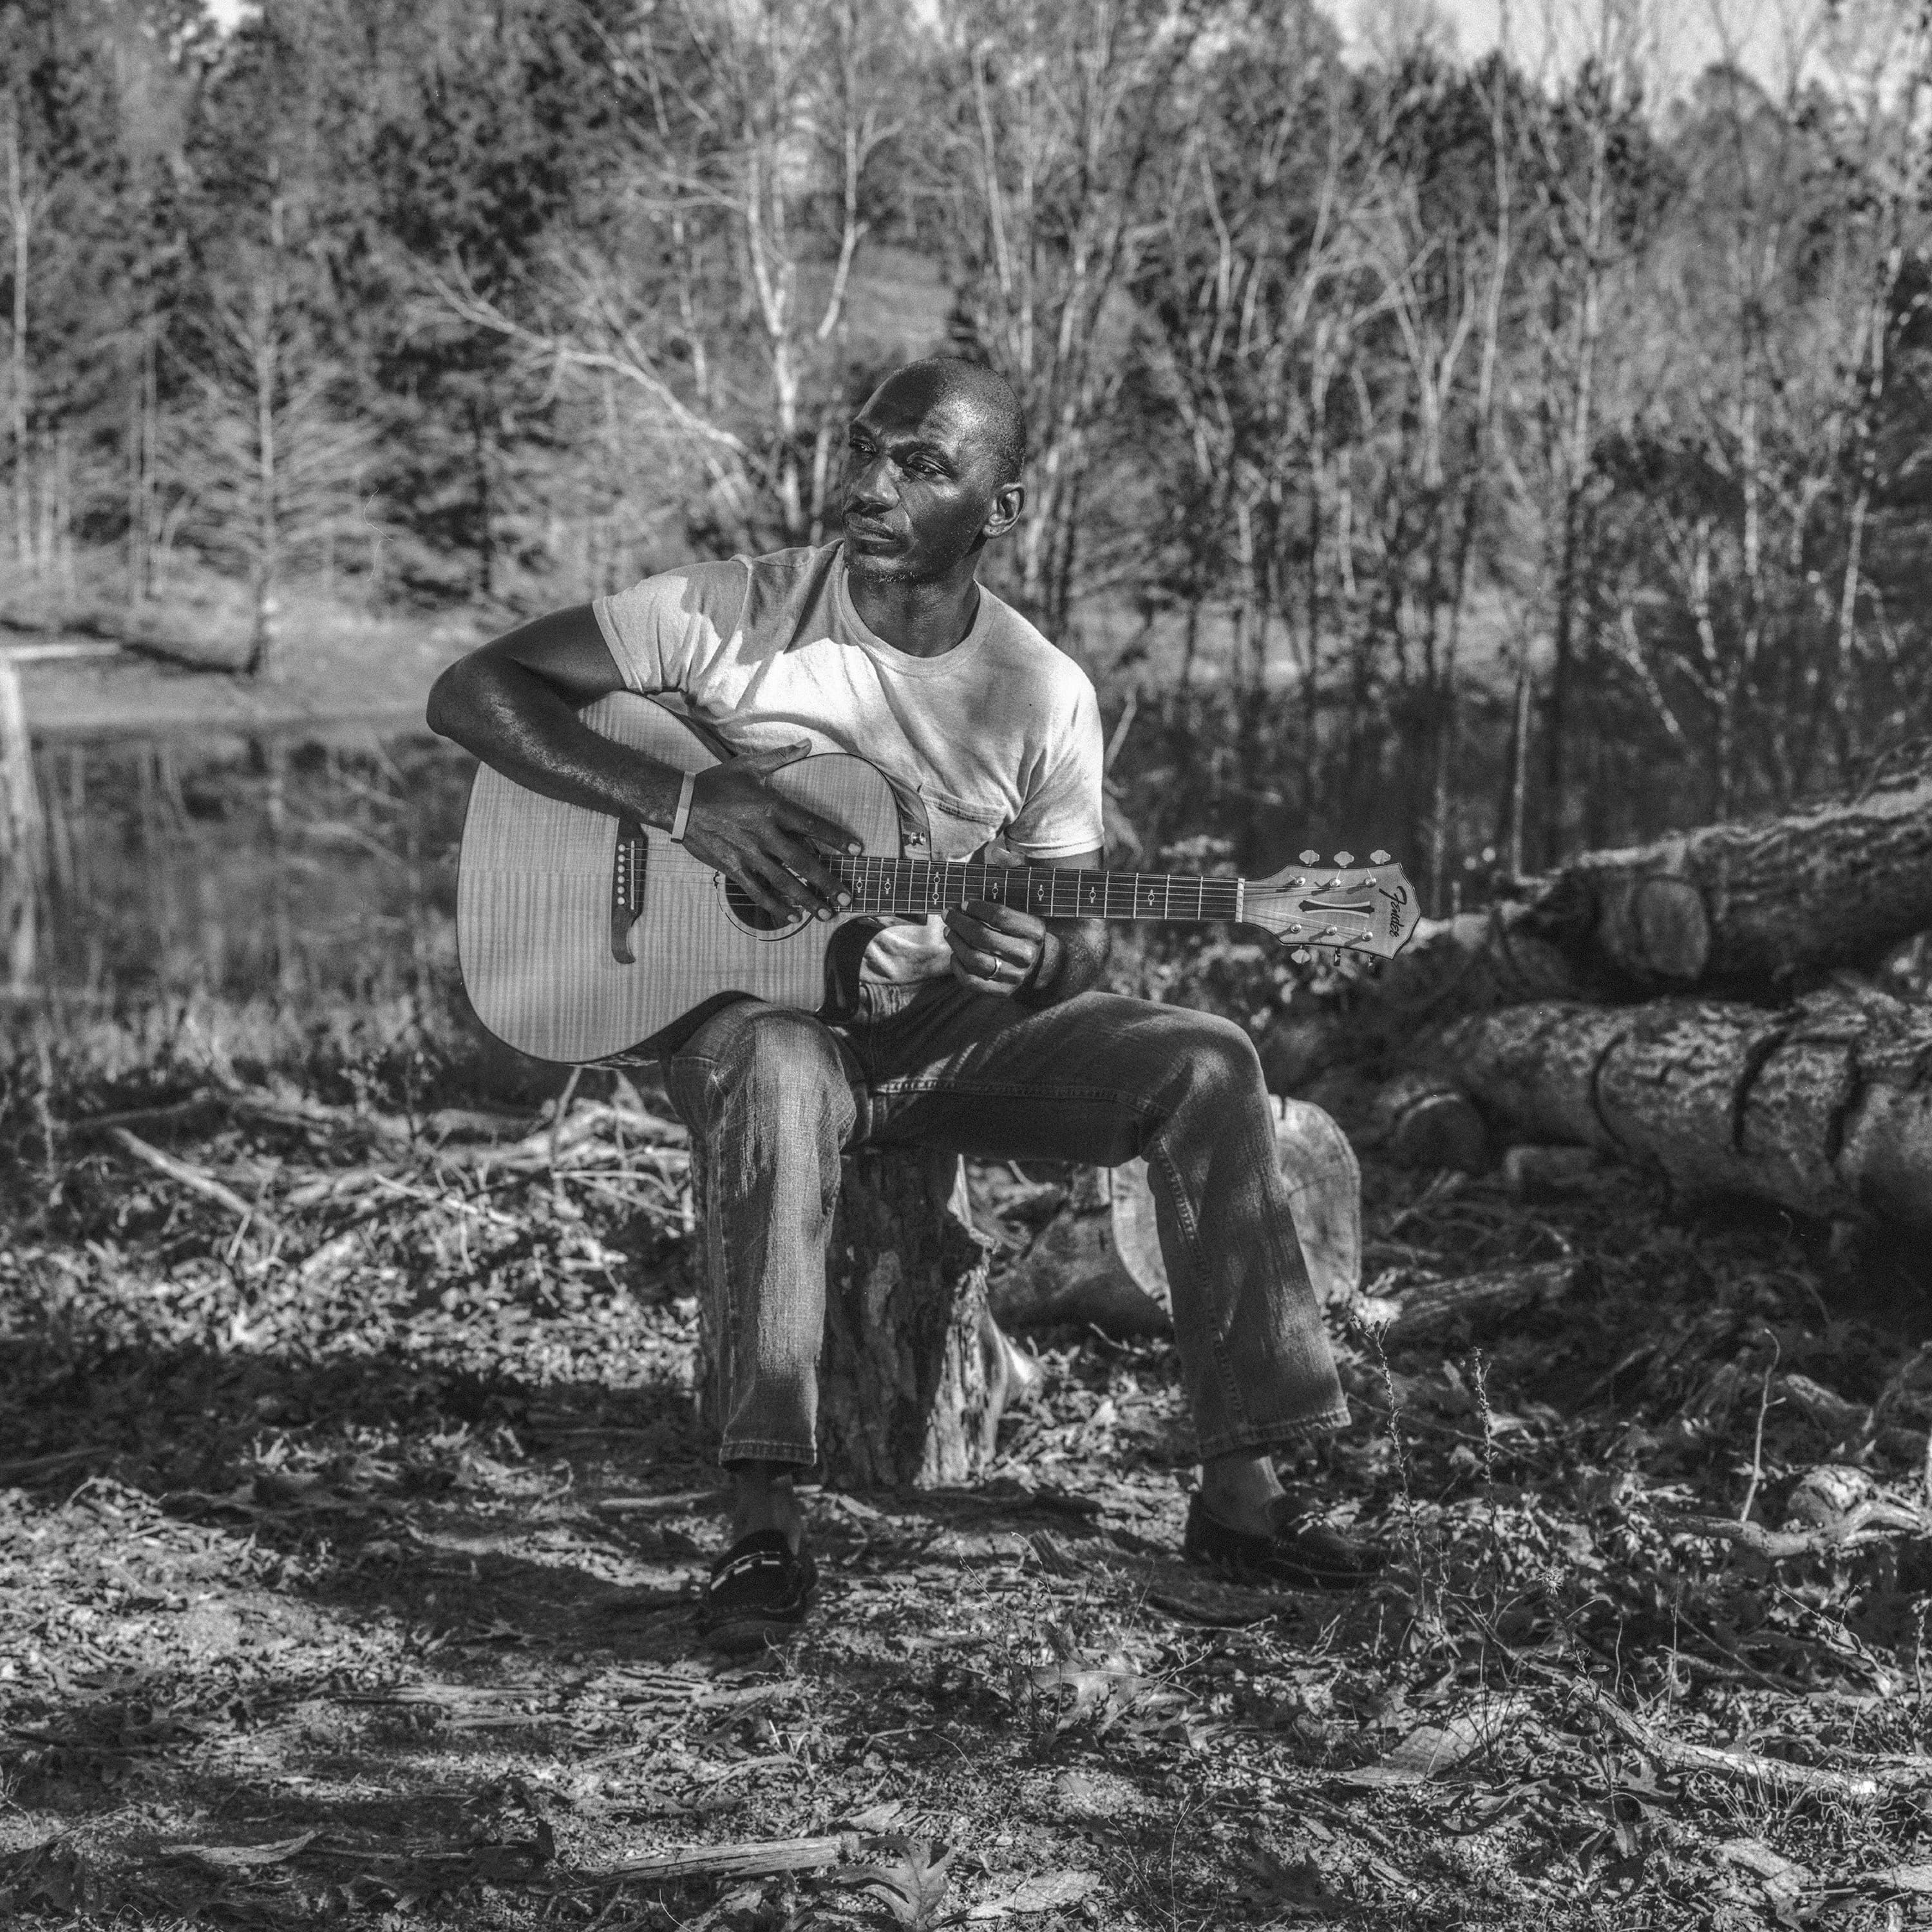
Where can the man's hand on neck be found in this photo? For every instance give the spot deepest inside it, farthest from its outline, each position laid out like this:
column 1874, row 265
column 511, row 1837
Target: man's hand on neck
column 925, row 619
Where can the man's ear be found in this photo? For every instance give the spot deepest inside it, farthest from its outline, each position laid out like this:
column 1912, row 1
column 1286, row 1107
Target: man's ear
column 1008, row 500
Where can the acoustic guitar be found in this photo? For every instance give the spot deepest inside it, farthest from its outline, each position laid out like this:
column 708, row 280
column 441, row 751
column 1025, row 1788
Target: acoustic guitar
column 584, row 937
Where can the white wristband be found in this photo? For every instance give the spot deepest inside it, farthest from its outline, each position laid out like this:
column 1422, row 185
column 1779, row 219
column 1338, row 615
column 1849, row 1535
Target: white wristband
column 681, row 818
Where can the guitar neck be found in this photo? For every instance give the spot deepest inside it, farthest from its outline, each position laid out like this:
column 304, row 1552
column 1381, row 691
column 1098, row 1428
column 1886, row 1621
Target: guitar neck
column 916, row 886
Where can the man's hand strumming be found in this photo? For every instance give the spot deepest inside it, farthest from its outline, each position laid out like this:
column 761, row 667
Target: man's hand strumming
column 762, row 841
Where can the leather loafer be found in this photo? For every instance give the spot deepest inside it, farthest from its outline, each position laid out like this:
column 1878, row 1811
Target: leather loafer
column 758, row 1593
column 1303, row 1554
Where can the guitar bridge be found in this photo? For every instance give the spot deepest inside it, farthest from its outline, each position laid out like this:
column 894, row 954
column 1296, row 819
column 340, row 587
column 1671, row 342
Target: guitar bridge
column 628, row 868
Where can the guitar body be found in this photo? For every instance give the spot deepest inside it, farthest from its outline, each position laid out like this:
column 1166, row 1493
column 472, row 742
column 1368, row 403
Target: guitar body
column 550, row 897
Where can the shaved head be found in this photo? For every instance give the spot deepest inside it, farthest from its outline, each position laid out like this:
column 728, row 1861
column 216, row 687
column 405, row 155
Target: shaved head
column 980, row 394
column 932, row 471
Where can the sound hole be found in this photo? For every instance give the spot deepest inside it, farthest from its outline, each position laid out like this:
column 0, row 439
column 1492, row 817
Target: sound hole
column 748, row 913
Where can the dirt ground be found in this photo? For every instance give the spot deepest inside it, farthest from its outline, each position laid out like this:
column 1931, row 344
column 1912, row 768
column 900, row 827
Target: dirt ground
column 348, row 1553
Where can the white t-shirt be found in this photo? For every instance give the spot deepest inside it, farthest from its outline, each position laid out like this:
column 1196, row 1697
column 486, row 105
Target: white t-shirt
column 999, row 737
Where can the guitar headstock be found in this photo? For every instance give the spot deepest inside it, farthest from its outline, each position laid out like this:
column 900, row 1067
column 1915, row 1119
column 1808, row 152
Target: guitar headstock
column 1351, row 908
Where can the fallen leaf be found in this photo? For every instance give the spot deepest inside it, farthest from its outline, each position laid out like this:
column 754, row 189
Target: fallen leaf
column 1431, row 1750
column 1086, row 1797
column 912, row 1887
column 1302, row 1889
column 227, row 1858
column 875, row 1817
column 1047, row 1891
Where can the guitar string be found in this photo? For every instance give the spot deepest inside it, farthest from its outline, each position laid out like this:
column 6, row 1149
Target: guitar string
column 909, row 886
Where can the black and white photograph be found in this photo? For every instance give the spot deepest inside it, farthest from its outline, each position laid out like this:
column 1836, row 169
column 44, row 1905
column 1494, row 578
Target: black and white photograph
column 965, row 962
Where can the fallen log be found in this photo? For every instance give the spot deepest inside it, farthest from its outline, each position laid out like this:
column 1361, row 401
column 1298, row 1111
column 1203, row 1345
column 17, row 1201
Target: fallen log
column 1741, row 907
column 1753, row 904
column 1476, row 963
column 1824, row 1108
column 1414, row 1118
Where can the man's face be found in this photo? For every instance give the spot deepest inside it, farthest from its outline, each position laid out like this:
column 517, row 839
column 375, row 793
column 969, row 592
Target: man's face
column 921, row 495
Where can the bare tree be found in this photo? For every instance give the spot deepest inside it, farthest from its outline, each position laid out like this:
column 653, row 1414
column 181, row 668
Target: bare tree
column 274, row 467
column 1070, row 103
column 745, row 195
column 30, row 200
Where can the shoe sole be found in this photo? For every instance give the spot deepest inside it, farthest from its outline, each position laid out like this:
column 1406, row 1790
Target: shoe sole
column 1301, row 1579
column 736, row 1636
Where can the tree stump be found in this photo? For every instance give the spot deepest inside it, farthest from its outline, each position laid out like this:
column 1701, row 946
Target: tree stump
column 1098, row 1262
column 914, row 1374
column 909, row 1383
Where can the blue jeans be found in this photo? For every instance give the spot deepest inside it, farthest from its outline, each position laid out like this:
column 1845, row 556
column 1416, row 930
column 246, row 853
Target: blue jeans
column 772, row 1098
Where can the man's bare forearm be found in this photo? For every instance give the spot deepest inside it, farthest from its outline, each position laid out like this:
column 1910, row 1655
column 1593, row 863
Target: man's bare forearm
column 514, row 721
column 1072, row 962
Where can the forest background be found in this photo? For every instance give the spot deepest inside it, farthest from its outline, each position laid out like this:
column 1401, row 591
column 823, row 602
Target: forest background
column 1484, row 463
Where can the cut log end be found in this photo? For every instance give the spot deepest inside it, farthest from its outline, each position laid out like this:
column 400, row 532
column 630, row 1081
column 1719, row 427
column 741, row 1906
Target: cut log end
column 1421, row 1121
column 1658, row 930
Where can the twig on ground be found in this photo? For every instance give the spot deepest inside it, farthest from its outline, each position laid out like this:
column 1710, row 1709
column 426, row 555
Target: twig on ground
column 762, row 1859
column 1757, row 1444
column 1869, row 1522
column 199, row 1179
column 1675, row 1754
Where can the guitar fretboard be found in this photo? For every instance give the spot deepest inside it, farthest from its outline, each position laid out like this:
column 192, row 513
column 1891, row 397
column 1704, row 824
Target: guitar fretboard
column 918, row 886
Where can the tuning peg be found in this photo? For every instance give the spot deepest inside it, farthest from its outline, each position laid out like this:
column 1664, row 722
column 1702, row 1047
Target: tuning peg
column 1311, row 858
column 1345, row 858
column 1378, row 858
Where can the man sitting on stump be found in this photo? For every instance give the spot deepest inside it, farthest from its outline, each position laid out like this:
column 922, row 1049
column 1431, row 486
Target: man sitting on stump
column 978, row 1032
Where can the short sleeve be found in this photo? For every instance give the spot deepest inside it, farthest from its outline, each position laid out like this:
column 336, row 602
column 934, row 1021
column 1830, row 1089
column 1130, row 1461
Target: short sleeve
column 1062, row 815
column 661, row 630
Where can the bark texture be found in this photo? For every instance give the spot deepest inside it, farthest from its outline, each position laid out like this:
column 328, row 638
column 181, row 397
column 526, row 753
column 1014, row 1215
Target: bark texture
column 1473, row 1304
column 1824, row 1108
column 911, row 1380
column 1738, row 905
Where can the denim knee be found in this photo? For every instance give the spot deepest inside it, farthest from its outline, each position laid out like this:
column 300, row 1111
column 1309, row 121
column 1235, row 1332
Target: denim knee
column 778, row 1061
column 1209, row 1060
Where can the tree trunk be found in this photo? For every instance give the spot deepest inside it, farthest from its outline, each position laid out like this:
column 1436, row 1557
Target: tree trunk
column 1825, row 1108
column 1752, row 905
column 22, row 838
